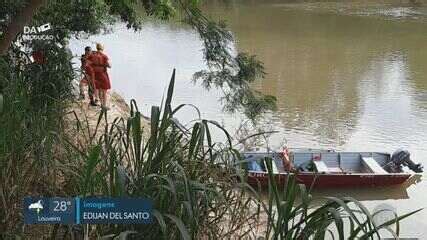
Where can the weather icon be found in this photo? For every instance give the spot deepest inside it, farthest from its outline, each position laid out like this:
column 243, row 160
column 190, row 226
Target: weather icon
column 36, row 206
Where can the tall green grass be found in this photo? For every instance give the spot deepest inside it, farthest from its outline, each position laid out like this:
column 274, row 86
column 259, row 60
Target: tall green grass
column 188, row 177
column 32, row 105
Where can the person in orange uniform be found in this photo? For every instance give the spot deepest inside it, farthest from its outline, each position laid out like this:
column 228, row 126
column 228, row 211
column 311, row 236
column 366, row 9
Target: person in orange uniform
column 100, row 63
column 89, row 77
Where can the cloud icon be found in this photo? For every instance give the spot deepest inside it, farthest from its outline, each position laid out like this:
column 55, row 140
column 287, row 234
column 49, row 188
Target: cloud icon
column 36, row 206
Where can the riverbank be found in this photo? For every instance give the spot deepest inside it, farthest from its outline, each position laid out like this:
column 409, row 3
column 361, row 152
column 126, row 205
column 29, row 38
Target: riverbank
column 88, row 116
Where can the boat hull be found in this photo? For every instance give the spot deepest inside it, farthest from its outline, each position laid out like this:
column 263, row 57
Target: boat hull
column 331, row 180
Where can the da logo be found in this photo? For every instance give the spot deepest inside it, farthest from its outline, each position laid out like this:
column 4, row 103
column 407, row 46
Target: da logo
column 37, row 33
column 37, row 206
column 36, row 30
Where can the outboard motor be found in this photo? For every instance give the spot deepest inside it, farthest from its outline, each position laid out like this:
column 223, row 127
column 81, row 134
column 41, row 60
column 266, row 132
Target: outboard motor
column 402, row 158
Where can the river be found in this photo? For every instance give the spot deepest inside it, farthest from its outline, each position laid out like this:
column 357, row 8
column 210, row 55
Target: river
column 348, row 76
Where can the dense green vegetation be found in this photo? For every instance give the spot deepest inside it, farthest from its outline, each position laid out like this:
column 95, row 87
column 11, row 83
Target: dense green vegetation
column 189, row 179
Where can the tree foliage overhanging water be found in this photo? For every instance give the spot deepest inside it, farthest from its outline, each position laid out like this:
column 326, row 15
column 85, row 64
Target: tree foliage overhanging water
column 231, row 72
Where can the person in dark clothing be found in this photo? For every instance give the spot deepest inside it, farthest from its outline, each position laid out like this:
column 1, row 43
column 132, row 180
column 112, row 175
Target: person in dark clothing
column 89, row 78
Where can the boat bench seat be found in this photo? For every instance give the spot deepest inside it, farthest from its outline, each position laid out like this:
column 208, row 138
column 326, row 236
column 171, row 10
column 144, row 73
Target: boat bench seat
column 335, row 170
column 373, row 165
column 321, row 166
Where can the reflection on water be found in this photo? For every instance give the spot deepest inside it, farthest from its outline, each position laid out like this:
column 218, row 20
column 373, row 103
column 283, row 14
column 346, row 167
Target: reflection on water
column 398, row 192
column 346, row 76
column 364, row 194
